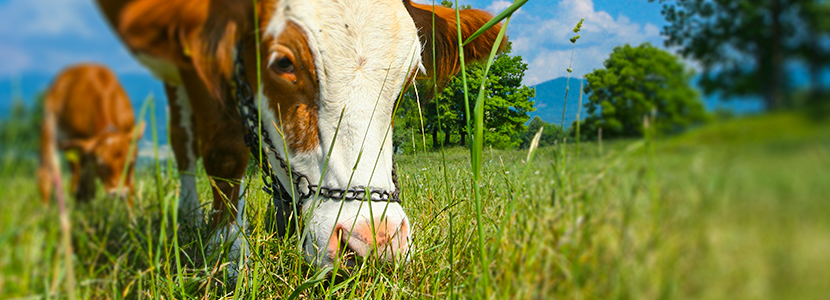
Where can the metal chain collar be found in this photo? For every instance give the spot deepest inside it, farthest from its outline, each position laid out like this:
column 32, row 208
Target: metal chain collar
column 302, row 184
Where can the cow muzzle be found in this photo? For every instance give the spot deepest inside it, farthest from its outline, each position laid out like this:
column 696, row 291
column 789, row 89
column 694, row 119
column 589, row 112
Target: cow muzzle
column 363, row 231
column 118, row 193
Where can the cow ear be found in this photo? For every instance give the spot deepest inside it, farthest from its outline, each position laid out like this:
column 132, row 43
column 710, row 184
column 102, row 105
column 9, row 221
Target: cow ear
column 85, row 146
column 446, row 38
column 225, row 21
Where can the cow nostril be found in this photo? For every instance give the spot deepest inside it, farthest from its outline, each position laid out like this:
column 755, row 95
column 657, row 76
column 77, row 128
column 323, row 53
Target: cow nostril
column 348, row 255
column 381, row 240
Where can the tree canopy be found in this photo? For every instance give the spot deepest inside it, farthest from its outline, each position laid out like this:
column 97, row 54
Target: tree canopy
column 744, row 46
column 506, row 107
column 549, row 134
column 636, row 82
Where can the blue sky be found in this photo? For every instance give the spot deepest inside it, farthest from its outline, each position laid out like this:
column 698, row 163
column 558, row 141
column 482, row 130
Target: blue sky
column 44, row 36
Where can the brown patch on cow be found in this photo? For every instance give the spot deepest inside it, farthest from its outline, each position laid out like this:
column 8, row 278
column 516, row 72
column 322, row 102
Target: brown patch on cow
column 173, row 30
column 446, row 38
column 88, row 107
column 292, row 95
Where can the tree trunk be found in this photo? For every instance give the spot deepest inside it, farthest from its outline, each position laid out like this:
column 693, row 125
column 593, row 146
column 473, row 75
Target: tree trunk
column 463, row 138
column 446, row 138
column 773, row 97
column 435, row 138
column 815, row 70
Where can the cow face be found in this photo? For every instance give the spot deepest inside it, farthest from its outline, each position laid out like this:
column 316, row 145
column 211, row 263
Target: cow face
column 112, row 157
column 332, row 72
column 109, row 155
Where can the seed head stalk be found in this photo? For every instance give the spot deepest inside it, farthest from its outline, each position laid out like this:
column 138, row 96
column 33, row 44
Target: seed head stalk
column 573, row 40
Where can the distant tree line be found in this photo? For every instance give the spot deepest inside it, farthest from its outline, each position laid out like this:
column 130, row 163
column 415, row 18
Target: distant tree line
column 745, row 46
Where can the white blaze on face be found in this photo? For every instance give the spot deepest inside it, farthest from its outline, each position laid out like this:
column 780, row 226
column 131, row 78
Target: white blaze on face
column 363, row 52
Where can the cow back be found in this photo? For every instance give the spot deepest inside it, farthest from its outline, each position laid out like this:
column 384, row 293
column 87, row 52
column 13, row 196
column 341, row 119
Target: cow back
column 88, row 100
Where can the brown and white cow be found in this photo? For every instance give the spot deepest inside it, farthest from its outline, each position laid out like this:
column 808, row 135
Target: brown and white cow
column 88, row 115
column 319, row 58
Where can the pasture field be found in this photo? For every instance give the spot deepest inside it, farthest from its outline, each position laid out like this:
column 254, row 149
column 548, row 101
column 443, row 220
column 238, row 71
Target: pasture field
column 738, row 210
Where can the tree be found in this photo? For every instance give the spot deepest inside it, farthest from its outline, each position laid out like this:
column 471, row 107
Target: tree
column 814, row 50
column 446, row 3
column 549, row 134
column 636, row 82
column 20, row 132
column 506, row 107
column 744, row 45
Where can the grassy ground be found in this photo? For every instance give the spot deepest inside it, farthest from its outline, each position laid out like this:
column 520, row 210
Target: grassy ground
column 731, row 211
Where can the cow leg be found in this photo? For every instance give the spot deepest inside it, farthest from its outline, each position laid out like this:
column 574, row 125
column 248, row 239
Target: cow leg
column 83, row 179
column 48, row 173
column 44, row 183
column 183, row 140
column 225, row 158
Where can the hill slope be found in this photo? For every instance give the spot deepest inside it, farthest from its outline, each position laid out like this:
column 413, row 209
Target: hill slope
column 550, row 97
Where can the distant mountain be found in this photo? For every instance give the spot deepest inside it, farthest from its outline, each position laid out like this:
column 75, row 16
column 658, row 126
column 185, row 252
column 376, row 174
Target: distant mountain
column 550, row 98
column 138, row 87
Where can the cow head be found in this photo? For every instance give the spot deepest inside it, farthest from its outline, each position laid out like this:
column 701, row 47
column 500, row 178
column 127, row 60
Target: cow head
column 109, row 154
column 323, row 63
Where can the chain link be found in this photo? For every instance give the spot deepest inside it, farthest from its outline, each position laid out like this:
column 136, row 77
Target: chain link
column 302, row 184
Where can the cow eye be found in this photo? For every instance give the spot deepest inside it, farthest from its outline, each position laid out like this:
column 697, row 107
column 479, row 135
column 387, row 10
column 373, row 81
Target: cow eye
column 283, row 65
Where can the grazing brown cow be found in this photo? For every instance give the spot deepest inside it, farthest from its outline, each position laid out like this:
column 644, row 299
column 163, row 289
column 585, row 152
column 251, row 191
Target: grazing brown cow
column 88, row 115
column 324, row 64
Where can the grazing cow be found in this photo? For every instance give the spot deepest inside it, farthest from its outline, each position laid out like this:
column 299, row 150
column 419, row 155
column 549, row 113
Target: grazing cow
column 331, row 73
column 88, row 115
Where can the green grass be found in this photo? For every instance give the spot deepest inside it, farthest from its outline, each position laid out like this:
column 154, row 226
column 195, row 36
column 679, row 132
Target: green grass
column 738, row 210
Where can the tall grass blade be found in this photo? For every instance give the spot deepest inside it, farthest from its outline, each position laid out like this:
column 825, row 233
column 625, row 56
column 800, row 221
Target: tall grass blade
column 506, row 13
column 477, row 149
column 321, row 275
column 435, row 93
column 578, row 120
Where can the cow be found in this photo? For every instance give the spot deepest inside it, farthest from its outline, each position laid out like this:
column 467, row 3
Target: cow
column 88, row 115
column 331, row 73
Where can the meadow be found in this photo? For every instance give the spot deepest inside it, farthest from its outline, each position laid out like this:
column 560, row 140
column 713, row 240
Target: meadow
column 732, row 210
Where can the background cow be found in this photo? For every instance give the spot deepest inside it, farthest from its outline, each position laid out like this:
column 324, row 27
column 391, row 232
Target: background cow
column 87, row 115
column 319, row 59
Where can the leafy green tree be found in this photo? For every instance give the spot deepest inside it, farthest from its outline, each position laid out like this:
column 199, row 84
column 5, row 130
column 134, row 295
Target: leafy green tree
column 21, row 130
column 446, row 3
column 407, row 125
column 814, row 50
column 506, row 106
column 636, row 82
column 743, row 46
column 549, row 134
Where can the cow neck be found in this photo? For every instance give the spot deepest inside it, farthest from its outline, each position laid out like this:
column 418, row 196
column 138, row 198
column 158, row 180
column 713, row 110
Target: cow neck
column 286, row 206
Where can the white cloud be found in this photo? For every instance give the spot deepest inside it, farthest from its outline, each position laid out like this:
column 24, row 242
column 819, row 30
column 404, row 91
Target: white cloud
column 45, row 18
column 543, row 39
column 14, row 59
column 498, row 6
column 651, row 30
column 146, row 149
column 45, row 36
column 549, row 64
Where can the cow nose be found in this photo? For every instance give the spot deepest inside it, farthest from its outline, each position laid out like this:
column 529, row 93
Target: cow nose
column 381, row 239
column 118, row 193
